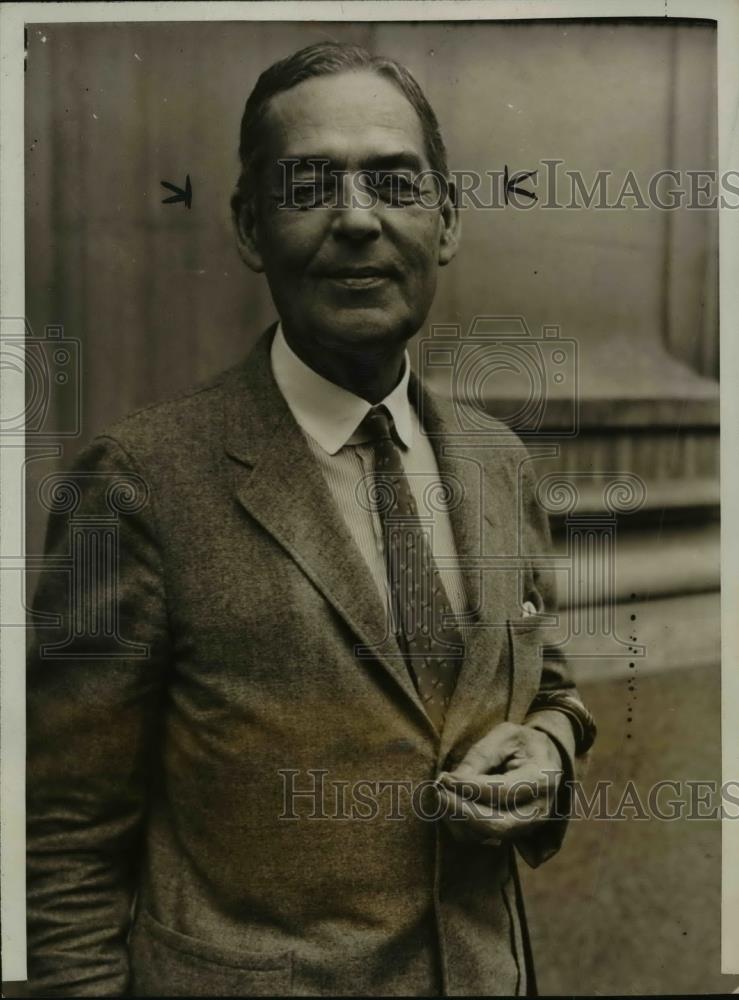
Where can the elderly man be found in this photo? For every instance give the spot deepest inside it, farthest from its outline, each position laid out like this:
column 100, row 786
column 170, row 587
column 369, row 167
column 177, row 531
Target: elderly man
column 306, row 629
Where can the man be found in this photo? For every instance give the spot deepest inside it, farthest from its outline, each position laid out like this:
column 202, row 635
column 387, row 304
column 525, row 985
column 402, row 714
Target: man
column 300, row 618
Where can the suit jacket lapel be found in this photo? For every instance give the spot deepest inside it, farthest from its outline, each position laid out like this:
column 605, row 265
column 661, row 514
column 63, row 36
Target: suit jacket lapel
column 279, row 483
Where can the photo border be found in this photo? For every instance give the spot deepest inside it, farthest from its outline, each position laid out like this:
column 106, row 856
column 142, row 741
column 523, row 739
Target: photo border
column 13, row 18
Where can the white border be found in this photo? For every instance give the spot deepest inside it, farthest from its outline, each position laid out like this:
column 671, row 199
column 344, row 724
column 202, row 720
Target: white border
column 728, row 158
column 12, row 402
column 12, row 303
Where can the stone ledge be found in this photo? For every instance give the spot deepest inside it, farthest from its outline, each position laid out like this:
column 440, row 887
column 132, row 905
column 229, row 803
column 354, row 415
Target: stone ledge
column 676, row 632
column 612, row 383
column 678, row 560
column 661, row 495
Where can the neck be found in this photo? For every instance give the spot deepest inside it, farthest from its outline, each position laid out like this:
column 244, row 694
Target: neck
column 371, row 374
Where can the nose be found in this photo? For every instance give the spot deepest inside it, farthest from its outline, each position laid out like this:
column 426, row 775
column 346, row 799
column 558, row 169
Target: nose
column 356, row 217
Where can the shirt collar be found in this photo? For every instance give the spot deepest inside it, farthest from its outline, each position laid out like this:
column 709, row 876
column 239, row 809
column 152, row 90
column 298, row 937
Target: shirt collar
column 329, row 414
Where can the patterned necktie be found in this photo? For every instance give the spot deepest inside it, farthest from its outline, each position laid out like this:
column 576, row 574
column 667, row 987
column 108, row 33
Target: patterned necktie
column 431, row 644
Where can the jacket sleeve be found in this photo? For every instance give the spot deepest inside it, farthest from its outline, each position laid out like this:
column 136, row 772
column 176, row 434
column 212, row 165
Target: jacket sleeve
column 557, row 708
column 95, row 679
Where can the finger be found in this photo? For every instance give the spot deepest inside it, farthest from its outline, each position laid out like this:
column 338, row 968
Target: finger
column 505, row 824
column 490, row 752
column 482, row 788
column 466, row 788
column 532, row 814
column 473, row 820
column 519, row 785
column 522, row 784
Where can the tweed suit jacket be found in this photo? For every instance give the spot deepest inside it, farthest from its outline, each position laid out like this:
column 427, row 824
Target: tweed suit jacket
column 249, row 661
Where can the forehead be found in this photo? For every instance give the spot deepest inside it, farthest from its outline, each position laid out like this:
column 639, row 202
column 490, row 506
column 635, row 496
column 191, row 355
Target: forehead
column 345, row 117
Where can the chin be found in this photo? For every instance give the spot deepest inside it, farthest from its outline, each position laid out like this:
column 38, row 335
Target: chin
column 360, row 327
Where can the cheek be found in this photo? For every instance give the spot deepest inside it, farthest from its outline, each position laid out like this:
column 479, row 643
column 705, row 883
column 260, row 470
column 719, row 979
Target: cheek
column 419, row 239
column 291, row 240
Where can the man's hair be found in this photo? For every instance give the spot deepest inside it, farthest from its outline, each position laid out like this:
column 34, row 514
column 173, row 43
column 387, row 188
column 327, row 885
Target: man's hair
column 326, row 59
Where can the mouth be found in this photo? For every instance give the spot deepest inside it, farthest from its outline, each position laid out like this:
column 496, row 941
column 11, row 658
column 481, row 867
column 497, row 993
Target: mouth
column 357, row 277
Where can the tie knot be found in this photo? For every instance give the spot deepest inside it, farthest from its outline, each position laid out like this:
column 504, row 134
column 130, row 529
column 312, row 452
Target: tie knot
column 378, row 424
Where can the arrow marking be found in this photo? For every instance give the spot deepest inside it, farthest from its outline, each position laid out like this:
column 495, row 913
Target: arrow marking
column 510, row 183
column 179, row 194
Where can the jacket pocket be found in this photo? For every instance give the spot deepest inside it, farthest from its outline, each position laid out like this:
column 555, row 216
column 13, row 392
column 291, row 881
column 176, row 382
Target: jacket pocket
column 167, row 963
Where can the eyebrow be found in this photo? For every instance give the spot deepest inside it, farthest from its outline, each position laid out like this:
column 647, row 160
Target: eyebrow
column 404, row 159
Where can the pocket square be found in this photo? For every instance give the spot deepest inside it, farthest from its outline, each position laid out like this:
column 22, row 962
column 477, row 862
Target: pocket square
column 529, row 609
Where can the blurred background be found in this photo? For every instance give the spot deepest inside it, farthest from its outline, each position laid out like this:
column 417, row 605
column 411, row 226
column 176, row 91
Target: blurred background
column 150, row 298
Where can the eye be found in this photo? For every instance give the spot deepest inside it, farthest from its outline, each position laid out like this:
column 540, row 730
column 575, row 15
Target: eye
column 307, row 194
column 395, row 188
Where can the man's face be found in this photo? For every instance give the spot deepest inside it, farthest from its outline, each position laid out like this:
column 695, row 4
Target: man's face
column 346, row 276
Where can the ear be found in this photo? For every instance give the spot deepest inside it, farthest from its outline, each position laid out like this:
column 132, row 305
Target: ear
column 451, row 226
column 245, row 225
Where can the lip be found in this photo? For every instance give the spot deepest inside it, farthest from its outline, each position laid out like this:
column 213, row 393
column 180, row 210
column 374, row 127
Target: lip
column 359, row 278
column 363, row 274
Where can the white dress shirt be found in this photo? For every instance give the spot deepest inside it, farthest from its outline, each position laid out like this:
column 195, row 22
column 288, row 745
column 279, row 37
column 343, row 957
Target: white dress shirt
column 330, row 416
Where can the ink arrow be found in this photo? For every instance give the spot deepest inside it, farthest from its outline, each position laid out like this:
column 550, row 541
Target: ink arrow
column 179, row 194
column 510, row 183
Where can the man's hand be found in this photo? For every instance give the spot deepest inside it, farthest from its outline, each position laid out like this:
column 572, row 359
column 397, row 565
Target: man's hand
column 504, row 787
